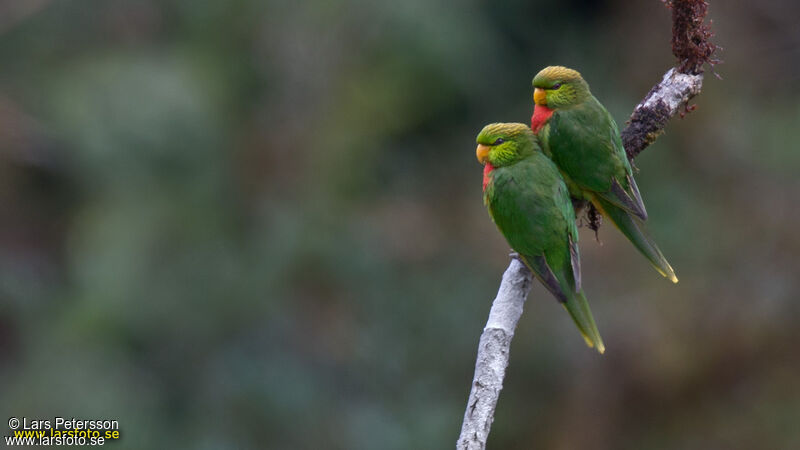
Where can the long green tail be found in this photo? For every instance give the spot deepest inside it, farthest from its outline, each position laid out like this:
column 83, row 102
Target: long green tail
column 637, row 235
column 561, row 286
column 578, row 308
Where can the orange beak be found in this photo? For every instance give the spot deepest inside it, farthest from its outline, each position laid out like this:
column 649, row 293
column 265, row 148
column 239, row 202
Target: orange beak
column 540, row 97
column 482, row 152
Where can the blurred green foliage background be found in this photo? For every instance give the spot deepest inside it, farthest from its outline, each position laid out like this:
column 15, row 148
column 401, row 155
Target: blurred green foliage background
column 253, row 224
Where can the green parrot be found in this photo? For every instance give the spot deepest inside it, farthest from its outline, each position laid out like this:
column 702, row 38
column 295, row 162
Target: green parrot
column 530, row 204
column 583, row 140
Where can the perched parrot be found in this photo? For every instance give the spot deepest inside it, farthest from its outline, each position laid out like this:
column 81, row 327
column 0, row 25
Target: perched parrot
column 583, row 140
column 530, row 204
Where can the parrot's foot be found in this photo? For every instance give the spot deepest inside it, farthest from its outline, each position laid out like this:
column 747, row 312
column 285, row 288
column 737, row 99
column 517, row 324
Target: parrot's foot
column 578, row 205
column 595, row 220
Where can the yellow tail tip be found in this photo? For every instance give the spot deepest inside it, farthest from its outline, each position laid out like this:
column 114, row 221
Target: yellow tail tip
column 599, row 347
column 670, row 275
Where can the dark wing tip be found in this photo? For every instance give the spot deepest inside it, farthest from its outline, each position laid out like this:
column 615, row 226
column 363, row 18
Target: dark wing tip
column 636, row 206
column 539, row 266
column 576, row 264
column 637, row 196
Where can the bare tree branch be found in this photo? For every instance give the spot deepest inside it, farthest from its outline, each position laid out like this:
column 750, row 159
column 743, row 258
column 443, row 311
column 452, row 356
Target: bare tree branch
column 691, row 45
column 493, row 352
column 662, row 102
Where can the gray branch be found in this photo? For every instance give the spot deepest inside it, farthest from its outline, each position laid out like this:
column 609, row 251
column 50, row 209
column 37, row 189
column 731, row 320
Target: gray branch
column 648, row 120
column 665, row 100
column 493, row 353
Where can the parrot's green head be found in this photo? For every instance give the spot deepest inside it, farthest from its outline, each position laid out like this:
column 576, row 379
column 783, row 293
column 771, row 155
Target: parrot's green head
column 503, row 144
column 558, row 87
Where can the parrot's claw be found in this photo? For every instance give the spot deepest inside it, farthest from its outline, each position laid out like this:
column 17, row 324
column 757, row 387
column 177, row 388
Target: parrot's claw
column 595, row 220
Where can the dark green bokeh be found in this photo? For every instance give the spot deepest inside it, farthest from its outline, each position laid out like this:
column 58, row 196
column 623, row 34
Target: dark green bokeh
column 258, row 224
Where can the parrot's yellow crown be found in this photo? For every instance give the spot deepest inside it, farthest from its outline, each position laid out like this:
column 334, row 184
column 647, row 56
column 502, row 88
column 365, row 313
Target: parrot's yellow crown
column 559, row 73
column 508, row 130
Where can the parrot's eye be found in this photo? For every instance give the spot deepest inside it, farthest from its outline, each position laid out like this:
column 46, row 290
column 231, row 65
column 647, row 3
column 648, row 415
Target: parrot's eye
column 556, row 86
column 499, row 141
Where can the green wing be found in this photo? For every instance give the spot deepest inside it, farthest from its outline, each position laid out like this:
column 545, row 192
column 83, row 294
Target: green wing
column 531, row 206
column 524, row 200
column 624, row 192
column 585, row 144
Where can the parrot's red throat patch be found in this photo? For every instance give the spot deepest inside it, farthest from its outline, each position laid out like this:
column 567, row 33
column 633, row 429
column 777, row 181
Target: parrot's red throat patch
column 540, row 116
column 487, row 169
